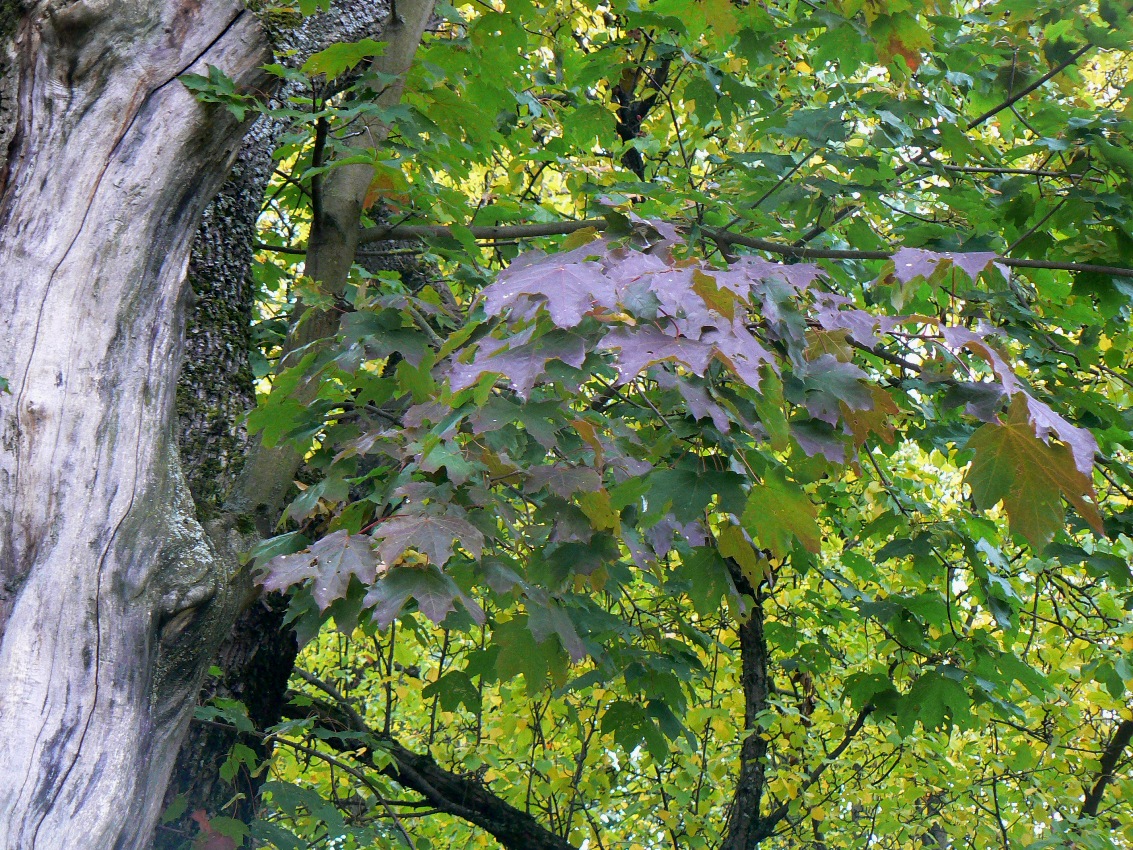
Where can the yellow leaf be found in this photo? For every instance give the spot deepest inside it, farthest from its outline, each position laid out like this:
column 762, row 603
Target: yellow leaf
column 734, row 545
column 720, row 15
column 579, row 238
column 596, row 506
column 723, row 301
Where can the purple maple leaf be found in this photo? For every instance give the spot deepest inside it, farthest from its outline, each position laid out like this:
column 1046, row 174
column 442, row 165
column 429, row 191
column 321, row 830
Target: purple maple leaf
column 1082, row 444
column 974, row 262
column 959, row 338
column 816, row 438
column 646, row 344
column 627, row 265
column 562, row 480
column 700, row 405
column 568, row 290
column 909, row 263
column 434, row 535
column 547, row 619
column 680, row 301
column 330, row 562
column 741, row 352
column 799, row 275
column 521, row 365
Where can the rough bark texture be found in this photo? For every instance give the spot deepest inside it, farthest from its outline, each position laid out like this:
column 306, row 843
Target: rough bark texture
column 112, row 592
column 214, row 393
column 745, row 827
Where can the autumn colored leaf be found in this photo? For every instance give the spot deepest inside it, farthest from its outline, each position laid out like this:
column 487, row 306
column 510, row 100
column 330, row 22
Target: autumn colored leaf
column 331, row 562
column 567, row 290
column 434, row 535
column 1029, row 476
column 876, row 420
column 910, row 263
column 723, row 301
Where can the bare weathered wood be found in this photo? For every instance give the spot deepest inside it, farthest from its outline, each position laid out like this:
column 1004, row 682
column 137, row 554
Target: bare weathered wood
column 111, row 590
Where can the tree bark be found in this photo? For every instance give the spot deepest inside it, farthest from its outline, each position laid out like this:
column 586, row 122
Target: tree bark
column 746, row 827
column 462, row 796
column 214, row 393
column 113, row 598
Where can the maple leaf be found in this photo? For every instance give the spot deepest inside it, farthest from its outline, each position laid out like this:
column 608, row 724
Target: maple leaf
column 876, row 420
column 642, row 346
column 910, row 263
column 834, row 343
column 569, row 291
column 687, row 492
column 777, row 512
column 715, row 297
column 830, row 382
column 626, row 265
column 562, row 480
column 1029, row 476
column 860, row 324
column 675, row 290
column 733, row 543
column 700, row 404
column 816, row 437
column 1044, row 420
column 1081, row 442
column 330, row 562
column 549, row 619
column 520, row 364
column 660, row 536
column 963, row 338
column 434, row 591
column 434, row 535
column 798, row 275
column 741, row 352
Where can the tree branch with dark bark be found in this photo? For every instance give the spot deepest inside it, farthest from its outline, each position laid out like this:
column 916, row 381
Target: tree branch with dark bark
column 462, row 796
column 718, row 235
column 1106, row 767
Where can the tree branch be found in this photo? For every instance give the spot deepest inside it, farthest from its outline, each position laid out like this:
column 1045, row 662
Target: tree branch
column 1108, row 763
column 767, row 827
column 335, row 229
column 718, row 235
column 1022, row 93
column 462, row 796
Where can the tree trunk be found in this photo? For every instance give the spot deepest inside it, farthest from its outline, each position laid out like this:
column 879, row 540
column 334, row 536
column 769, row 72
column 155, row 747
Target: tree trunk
column 214, row 393
column 746, row 826
column 113, row 599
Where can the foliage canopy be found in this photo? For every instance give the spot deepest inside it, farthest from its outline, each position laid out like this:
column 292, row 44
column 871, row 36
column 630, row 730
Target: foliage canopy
column 734, row 514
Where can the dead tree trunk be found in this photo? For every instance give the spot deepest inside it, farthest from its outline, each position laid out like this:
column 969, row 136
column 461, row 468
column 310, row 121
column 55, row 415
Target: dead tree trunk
column 113, row 598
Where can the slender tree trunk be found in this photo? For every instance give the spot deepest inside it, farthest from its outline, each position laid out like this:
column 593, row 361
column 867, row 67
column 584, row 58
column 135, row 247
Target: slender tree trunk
column 745, row 827
column 113, row 598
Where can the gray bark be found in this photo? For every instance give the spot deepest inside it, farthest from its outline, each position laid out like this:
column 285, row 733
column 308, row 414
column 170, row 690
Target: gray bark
column 113, row 597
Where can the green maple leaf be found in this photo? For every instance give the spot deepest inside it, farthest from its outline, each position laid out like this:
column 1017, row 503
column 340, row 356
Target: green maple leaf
column 778, row 511
column 687, row 492
column 1029, row 476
